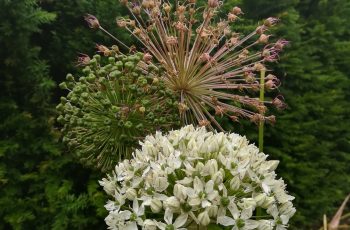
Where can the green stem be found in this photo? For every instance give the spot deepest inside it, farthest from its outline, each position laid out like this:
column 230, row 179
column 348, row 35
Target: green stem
column 262, row 98
column 261, row 125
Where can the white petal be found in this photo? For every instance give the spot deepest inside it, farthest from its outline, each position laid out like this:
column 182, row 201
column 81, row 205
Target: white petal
column 209, row 186
column 180, row 220
column 168, row 216
column 226, row 221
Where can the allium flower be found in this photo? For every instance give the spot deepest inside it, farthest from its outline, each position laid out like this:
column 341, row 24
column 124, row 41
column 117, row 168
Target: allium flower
column 192, row 177
column 208, row 66
column 115, row 102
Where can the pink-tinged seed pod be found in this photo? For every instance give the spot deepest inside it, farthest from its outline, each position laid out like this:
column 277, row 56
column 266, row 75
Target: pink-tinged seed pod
column 121, row 22
column 83, row 59
column 92, row 21
column 271, row 21
column 213, row 3
column 236, row 10
column 205, row 57
column 279, row 103
column 264, row 38
column 103, row 49
column 147, row 58
column 280, row 44
column 232, row 17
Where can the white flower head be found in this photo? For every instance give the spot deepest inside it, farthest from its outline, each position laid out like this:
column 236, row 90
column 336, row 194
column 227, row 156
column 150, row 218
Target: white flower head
column 194, row 176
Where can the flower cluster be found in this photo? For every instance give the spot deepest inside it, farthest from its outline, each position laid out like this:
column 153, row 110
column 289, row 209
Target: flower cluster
column 192, row 177
column 116, row 101
column 208, row 65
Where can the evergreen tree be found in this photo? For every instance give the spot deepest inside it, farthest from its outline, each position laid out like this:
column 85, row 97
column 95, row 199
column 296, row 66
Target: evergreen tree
column 41, row 186
column 312, row 137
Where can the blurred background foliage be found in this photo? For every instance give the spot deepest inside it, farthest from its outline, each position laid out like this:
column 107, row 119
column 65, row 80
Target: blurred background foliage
column 43, row 187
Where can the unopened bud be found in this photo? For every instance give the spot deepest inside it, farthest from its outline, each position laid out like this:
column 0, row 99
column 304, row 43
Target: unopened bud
column 172, row 203
column 218, row 178
column 268, row 201
column 149, row 225
column 212, row 210
column 142, row 109
column 131, row 194
column 203, row 218
column 235, row 183
column 260, row 199
column 156, row 205
column 180, row 192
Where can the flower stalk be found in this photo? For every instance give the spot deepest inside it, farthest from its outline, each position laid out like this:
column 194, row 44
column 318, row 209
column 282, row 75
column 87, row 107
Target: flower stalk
column 262, row 98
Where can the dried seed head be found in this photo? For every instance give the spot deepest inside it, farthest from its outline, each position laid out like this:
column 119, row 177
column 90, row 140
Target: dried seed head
column 219, row 110
column 182, row 107
column 234, row 118
column 204, row 123
column 121, row 22
column 249, row 77
column 271, row 119
column 124, row 2
column 257, row 118
column 259, row 67
column 103, row 49
column 166, row 8
column 92, row 21
column 181, row 9
column 136, row 10
column 171, row 40
column 137, row 31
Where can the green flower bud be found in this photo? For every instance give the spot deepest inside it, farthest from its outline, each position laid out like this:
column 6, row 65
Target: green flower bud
column 63, row 85
column 97, row 57
column 128, row 124
column 111, row 60
column 129, row 65
column 70, row 77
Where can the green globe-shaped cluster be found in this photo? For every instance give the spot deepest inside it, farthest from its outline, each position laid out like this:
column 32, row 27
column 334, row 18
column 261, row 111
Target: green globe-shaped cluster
column 113, row 104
